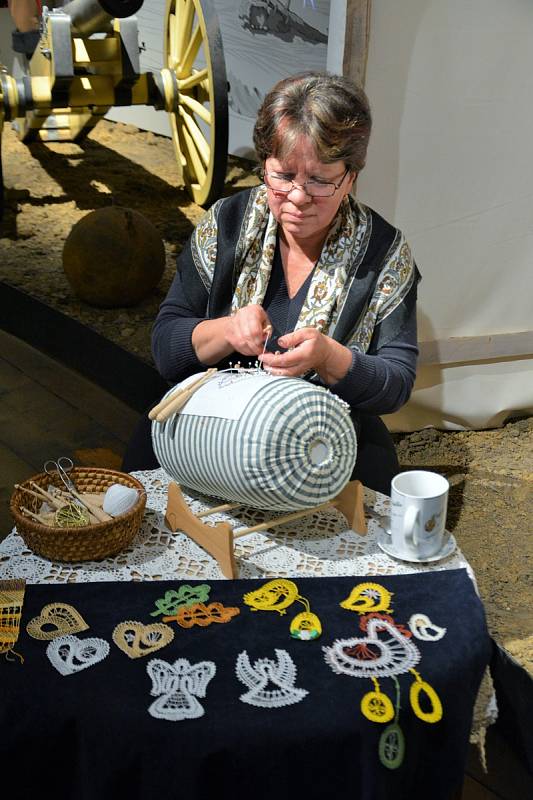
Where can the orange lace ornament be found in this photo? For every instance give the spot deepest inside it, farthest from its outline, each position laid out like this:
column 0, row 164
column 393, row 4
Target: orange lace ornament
column 365, row 619
column 200, row 614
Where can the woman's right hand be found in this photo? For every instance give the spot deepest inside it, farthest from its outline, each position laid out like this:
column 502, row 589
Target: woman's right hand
column 247, row 330
column 244, row 332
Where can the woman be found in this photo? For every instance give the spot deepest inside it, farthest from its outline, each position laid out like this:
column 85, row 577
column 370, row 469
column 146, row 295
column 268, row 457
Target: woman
column 298, row 266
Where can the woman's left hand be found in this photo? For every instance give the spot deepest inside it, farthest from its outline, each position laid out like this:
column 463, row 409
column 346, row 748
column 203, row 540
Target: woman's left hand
column 308, row 349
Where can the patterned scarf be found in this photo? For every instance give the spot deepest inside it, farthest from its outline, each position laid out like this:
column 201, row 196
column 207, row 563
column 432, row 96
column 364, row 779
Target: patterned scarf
column 334, row 274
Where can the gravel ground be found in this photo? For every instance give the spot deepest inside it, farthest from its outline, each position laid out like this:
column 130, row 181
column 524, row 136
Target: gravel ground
column 49, row 188
column 490, row 512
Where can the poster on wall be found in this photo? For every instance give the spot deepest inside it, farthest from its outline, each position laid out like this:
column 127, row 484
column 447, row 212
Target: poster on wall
column 264, row 41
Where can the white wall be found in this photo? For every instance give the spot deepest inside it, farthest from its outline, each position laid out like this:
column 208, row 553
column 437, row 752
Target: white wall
column 451, row 163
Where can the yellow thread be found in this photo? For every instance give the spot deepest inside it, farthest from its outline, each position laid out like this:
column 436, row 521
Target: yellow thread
column 72, row 516
column 18, row 655
column 368, row 597
column 436, row 706
column 8, row 635
column 304, row 602
column 11, row 600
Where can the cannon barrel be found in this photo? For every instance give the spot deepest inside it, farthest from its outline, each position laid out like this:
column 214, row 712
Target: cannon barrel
column 91, row 16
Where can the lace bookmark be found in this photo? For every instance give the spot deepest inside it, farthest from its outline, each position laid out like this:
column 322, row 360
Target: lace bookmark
column 177, row 687
column 137, row 640
column 11, row 600
column 278, row 595
column 56, row 619
column 270, row 683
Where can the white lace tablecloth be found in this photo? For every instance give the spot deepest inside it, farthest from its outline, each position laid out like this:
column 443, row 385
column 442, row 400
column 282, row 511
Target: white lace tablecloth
column 316, row 546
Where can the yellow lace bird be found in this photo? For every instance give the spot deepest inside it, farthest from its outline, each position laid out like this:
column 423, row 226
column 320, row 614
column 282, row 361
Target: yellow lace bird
column 276, row 595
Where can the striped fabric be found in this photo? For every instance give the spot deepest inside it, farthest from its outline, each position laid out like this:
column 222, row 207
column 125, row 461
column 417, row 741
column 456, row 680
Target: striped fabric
column 293, row 447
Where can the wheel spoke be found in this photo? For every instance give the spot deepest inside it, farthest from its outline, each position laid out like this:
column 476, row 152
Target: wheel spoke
column 193, row 47
column 200, row 141
column 172, row 58
column 200, row 78
column 196, row 107
column 185, row 18
column 193, row 157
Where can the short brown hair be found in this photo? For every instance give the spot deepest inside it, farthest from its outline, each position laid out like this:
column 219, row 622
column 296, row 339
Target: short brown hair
column 332, row 111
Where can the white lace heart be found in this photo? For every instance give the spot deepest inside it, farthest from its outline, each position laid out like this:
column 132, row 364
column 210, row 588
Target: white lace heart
column 68, row 654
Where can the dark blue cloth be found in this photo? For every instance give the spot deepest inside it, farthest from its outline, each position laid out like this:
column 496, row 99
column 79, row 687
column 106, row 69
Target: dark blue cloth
column 89, row 735
column 514, row 693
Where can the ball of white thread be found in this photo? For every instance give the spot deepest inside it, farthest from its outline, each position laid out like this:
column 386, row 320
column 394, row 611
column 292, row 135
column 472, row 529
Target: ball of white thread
column 118, row 499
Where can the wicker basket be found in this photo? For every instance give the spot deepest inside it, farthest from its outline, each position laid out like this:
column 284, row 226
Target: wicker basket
column 90, row 542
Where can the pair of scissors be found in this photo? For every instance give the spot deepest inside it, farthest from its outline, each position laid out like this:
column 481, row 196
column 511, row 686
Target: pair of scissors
column 62, row 466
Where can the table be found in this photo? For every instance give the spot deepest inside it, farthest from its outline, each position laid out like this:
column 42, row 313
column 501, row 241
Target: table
column 317, row 546
column 69, row 726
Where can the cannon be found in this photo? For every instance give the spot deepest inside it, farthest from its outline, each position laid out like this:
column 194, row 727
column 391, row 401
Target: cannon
column 88, row 59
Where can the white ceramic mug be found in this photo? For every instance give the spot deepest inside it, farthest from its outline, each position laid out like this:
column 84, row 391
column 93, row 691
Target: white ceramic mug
column 419, row 500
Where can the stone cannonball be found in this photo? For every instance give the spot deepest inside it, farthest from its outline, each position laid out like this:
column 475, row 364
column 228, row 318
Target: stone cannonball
column 113, row 257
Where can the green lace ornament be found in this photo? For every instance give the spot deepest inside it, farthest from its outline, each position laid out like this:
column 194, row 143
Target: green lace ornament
column 391, row 747
column 185, row 596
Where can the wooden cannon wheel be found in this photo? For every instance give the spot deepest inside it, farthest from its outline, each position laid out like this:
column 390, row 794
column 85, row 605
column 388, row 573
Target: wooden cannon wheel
column 193, row 52
column 193, row 84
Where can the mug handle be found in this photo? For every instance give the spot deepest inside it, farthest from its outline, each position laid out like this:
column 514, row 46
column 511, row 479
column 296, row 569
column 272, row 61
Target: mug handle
column 409, row 521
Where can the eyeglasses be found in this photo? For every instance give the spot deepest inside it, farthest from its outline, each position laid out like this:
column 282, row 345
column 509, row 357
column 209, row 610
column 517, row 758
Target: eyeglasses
column 311, row 188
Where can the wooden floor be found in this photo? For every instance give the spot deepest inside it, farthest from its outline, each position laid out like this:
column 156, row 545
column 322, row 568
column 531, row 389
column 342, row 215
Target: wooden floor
column 47, row 411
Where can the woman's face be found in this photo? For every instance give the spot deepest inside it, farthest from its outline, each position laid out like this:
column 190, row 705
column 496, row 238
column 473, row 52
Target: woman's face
column 301, row 216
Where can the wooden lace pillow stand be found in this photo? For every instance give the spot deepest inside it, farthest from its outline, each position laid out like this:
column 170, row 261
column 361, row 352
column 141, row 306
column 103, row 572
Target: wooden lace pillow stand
column 218, row 540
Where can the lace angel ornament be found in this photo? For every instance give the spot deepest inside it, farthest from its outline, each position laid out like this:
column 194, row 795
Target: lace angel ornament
column 265, row 672
column 177, row 686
